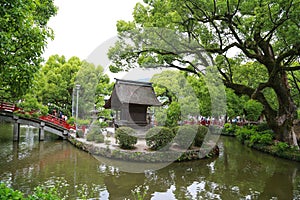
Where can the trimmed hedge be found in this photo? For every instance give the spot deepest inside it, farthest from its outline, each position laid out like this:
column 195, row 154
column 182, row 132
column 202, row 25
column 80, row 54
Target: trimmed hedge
column 185, row 136
column 95, row 135
column 159, row 137
column 201, row 133
column 126, row 138
column 99, row 138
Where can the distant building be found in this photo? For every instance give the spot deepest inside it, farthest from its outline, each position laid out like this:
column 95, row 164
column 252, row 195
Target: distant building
column 130, row 100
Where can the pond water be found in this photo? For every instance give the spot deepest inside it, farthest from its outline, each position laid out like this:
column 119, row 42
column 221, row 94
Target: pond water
column 238, row 172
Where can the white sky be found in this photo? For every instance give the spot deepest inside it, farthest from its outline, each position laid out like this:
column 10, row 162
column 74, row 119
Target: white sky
column 80, row 26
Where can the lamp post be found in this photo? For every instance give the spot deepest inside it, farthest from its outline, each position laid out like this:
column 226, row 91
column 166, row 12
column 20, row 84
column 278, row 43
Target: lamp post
column 77, row 94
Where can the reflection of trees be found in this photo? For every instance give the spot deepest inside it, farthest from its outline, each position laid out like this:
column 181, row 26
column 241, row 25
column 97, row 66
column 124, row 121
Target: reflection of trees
column 237, row 172
column 120, row 186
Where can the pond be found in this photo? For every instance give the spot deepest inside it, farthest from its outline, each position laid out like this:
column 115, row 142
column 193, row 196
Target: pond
column 238, row 173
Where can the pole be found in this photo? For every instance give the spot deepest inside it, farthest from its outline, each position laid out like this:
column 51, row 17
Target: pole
column 77, row 94
column 73, row 102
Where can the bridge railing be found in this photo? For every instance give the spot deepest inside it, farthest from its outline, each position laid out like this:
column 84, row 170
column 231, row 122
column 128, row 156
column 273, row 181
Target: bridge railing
column 57, row 121
column 10, row 107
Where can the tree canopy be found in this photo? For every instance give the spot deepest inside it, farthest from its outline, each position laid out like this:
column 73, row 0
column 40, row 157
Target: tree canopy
column 23, row 35
column 165, row 33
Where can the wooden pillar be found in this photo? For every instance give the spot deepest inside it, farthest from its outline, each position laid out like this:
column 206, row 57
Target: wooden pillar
column 16, row 129
column 42, row 132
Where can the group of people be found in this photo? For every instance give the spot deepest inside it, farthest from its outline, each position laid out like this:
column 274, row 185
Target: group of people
column 59, row 115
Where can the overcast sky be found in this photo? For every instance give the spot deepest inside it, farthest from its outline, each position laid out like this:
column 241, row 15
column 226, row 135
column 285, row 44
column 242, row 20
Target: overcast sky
column 80, row 26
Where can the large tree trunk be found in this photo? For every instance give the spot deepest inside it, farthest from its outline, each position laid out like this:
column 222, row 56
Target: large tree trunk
column 282, row 121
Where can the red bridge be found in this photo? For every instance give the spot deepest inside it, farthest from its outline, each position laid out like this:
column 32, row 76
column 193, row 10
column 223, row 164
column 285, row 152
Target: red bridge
column 49, row 122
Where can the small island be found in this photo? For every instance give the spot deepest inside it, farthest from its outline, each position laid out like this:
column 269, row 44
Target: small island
column 135, row 138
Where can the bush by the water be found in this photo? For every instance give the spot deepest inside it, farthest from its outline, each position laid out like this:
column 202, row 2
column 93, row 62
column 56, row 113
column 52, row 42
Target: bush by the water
column 185, row 136
column 80, row 133
column 250, row 135
column 230, row 129
column 39, row 193
column 126, row 138
column 95, row 134
column 99, row 138
column 159, row 137
column 200, row 135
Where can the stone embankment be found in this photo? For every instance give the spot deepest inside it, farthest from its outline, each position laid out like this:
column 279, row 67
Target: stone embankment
column 141, row 153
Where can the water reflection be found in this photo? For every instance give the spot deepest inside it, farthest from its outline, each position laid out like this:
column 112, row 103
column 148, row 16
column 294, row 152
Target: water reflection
column 238, row 173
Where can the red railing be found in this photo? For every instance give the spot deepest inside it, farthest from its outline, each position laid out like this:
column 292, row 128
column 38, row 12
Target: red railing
column 57, row 121
column 10, row 107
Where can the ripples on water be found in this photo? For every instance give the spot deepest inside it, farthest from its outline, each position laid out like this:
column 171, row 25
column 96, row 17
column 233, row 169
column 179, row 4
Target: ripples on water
column 238, row 173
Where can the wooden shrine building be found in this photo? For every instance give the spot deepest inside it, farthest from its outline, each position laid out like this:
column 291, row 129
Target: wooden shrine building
column 130, row 100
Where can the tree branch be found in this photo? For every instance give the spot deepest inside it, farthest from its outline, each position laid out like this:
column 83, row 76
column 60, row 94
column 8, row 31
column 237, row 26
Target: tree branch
column 295, row 68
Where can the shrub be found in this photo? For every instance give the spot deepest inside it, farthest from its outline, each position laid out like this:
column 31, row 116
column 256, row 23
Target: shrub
column 99, row 138
column 90, row 137
column 71, row 121
column 79, row 133
column 258, row 138
column 244, row 134
column 8, row 193
column 262, row 127
column 281, row 147
column 229, row 129
column 253, row 109
column 125, row 137
column 159, row 137
column 185, row 136
column 201, row 133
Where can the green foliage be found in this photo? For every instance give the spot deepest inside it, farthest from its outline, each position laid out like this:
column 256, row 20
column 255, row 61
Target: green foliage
column 234, row 104
column 250, row 135
column 90, row 137
column 71, row 120
column 259, row 138
column 24, row 35
column 281, row 147
column 218, row 27
column 200, row 135
column 262, row 127
column 79, row 133
column 95, row 134
column 253, row 110
column 159, row 137
column 126, row 138
column 39, row 193
column 8, row 193
column 185, row 136
column 230, row 129
column 83, row 122
column 173, row 114
column 31, row 105
column 99, row 138
column 55, row 82
column 244, row 134
column 139, row 193
column 44, row 193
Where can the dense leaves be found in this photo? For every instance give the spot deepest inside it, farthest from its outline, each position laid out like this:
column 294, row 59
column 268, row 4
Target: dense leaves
column 260, row 36
column 125, row 137
column 159, row 137
column 23, row 36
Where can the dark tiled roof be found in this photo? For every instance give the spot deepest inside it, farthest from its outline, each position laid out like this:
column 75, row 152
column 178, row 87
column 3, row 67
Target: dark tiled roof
column 132, row 92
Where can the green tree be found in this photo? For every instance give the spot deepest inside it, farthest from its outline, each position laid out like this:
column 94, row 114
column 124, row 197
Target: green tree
column 23, row 35
column 55, row 81
column 262, row 31
column 180, row 99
